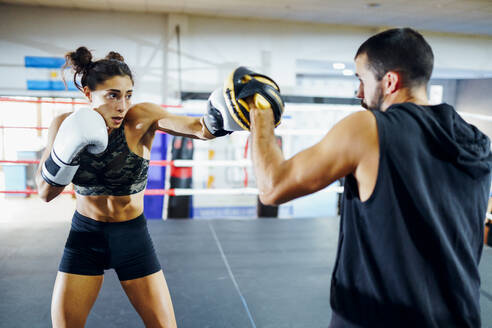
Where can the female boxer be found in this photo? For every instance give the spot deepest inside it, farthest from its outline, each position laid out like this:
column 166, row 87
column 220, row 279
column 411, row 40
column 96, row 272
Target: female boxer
column 104, row 150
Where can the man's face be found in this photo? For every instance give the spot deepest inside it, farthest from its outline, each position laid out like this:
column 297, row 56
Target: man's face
column 370, row 88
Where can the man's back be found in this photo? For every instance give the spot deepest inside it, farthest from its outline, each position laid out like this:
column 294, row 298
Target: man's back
column 408, row 256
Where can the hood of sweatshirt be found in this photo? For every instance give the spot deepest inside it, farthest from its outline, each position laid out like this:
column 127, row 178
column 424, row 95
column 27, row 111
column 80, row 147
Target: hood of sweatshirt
column 456, row 140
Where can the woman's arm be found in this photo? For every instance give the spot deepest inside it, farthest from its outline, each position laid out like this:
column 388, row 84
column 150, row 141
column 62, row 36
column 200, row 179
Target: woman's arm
column 46, row 191
column 152, row 116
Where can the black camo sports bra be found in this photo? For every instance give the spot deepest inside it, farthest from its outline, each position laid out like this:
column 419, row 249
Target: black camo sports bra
column 117, row 171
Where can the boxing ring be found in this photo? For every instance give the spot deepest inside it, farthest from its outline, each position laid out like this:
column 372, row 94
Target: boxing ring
column 243, row 163
column 270, row 273
column 221, row 273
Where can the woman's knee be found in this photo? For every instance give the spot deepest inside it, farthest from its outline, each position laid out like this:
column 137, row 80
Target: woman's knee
column 63, row 318
column 73, row 298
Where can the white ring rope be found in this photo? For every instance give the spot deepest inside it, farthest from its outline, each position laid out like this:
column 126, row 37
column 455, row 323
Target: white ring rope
column 212, row 163
column 479, row 116
column 237, row 191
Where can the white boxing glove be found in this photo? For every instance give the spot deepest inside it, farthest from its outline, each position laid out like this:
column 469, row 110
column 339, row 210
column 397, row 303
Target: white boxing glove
column 83, row 128
column 218, row 120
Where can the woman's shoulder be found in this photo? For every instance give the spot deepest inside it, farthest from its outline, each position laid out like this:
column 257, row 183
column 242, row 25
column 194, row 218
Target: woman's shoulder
column 58, row 120
column 146, row 114
column 144, row 108
column 142, row 112
column 139, row 121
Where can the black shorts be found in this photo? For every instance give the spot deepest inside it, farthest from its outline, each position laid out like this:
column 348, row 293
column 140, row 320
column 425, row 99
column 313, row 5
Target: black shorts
column 93, row 246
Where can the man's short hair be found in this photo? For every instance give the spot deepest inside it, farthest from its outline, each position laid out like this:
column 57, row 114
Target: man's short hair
column 403, row 50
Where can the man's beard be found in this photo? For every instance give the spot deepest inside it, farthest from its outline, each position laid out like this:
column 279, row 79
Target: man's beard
column 377, row 106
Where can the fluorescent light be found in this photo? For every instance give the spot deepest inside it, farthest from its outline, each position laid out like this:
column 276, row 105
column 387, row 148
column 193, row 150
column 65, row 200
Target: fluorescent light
column 347, row 72
column 338, row 65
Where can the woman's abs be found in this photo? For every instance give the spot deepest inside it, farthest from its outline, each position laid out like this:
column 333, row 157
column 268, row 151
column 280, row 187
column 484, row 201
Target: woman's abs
column 110, row 208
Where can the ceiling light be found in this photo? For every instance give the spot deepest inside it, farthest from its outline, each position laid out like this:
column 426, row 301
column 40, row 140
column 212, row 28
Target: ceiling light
column 347, row 72
column 338, row 65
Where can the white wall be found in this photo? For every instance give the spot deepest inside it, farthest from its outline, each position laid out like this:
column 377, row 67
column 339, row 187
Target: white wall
column 474, row 96
column 210, row 46
column 33, row 31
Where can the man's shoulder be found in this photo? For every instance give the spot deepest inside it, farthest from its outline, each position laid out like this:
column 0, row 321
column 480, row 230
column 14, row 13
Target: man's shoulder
column 361, row 118
column 361, row 126
column 414, row 107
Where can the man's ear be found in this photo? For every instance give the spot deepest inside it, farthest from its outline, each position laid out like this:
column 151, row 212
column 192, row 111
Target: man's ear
column 391, row 82
column 87, row 93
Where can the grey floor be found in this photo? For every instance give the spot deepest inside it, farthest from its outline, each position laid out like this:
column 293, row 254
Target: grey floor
column 221, row 273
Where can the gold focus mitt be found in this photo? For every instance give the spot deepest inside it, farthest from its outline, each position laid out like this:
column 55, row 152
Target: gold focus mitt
column 243, row 83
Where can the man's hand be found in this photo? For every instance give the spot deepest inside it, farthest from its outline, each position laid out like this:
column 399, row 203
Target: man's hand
column 261, row 119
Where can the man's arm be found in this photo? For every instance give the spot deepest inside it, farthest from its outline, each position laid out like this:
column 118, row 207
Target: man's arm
column 152, row 116
column 345, row 149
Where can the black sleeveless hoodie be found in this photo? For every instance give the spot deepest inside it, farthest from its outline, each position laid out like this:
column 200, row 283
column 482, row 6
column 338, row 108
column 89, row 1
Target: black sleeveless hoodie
column 408, row 256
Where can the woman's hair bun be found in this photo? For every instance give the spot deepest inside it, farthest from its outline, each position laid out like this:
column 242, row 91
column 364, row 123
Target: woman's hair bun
column 115, row 55
column 80, row 59
column 91, row 73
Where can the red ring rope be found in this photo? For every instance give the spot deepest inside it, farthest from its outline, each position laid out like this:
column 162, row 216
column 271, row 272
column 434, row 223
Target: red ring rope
column 39, row 101
column 148, row 192
column 40, row 128
column 23, row 127
column 152, row 162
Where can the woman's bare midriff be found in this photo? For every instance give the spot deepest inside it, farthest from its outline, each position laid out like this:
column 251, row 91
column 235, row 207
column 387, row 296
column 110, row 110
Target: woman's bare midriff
column 119, row 208
column 110, row 208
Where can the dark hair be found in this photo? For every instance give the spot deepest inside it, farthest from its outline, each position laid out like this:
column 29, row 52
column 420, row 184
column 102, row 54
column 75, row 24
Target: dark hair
column 403, row 50
column 95, row 72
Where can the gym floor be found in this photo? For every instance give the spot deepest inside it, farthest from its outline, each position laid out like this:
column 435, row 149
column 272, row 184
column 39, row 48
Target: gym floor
column 221, row 273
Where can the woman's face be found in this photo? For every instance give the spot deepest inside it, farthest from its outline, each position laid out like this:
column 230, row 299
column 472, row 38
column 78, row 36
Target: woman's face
column 112, row 99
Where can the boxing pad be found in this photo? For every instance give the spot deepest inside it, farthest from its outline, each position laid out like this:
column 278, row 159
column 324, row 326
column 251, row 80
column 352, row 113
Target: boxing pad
column 243, row 83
